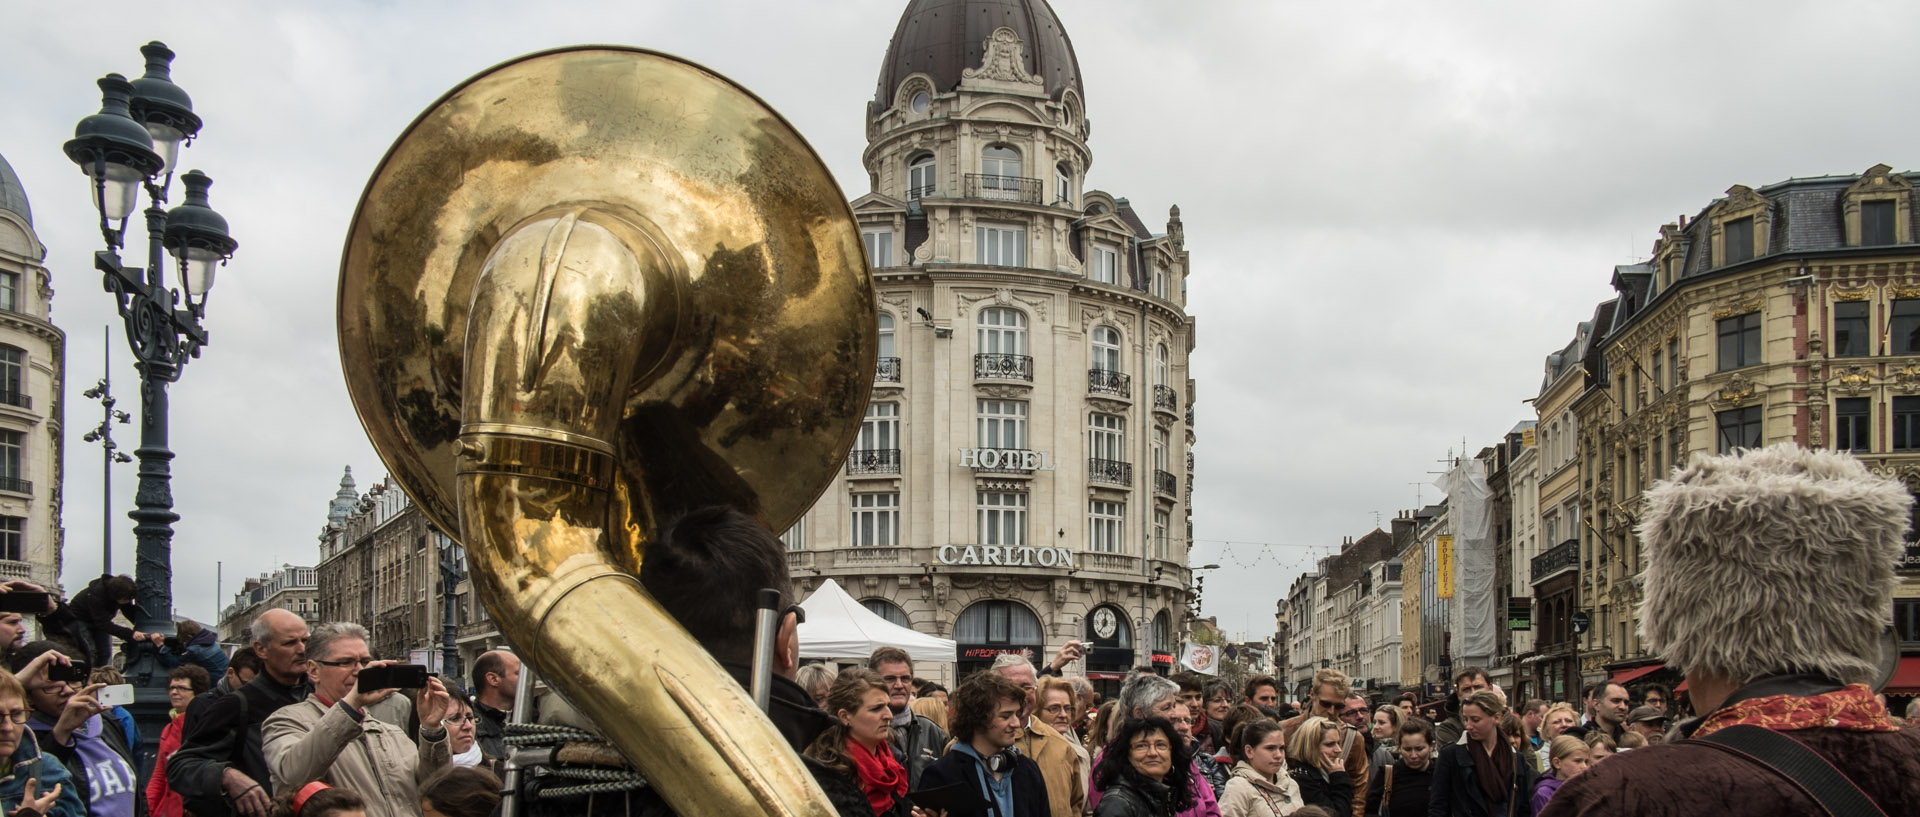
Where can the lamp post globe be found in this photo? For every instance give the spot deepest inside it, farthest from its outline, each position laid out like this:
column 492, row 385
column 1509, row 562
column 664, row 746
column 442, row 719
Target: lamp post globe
column 196, row 236
column 163, row 107
column 115, row 151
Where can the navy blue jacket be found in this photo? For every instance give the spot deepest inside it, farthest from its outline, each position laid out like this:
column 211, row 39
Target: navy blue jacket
column 1029, row 787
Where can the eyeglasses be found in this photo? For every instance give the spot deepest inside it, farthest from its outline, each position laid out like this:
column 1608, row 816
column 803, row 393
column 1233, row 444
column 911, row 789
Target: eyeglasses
column 461, row 719
column 179, row 689
column 799, row 614
column 890, row 680
column 16, row 717
column 1327, row 705
column 345, row 662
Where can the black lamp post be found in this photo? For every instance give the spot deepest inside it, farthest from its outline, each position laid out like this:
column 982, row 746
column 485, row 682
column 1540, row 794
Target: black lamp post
column 133, row 143
column 110, row 453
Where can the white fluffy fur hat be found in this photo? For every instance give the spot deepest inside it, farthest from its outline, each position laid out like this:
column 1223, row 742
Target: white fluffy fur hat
column 1772, row 560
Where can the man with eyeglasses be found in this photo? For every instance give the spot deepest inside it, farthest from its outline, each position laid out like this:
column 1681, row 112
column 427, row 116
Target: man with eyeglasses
column 220, row 769
column 1328, row 699
column 920, row 739
column 1066, row 793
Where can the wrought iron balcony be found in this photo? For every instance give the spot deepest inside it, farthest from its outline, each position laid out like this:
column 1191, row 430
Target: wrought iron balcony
column 15, row 485
column 1166, row 399
column 874, row 461
column 1003, row 188
column 1165, row 483
column 16, row 398
column 1003, row 367
column 1563, row 556
column 1108, row 381
column 921, row 192
column 1112, row 472
column 887, row 370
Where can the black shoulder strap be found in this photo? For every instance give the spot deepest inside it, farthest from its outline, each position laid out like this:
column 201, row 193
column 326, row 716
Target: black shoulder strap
column 1793, row 760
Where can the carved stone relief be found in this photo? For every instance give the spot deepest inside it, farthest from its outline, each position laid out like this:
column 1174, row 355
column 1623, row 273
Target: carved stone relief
column 1004, row 59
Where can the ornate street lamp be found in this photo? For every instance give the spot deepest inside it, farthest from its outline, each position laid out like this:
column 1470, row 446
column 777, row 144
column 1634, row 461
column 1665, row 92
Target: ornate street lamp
column 132, row 144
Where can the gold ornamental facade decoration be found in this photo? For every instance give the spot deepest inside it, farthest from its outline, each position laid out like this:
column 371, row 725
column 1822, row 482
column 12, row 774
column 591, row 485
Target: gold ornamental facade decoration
column 1907, row 378
column 1861, row 294
column 1738, row 309
column 1904, row 293
column 1855, row 379
column 1735, row 394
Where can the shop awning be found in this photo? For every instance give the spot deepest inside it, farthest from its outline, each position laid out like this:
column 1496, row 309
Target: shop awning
column 1681, row 688
column 1627, row 675
column 1906, row 678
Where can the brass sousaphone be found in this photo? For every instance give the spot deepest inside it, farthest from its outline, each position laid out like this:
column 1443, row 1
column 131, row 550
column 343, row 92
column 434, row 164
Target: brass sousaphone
column 587, row 290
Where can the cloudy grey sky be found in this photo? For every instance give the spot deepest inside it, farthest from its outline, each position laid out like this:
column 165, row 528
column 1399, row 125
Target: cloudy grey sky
column 1395, row 210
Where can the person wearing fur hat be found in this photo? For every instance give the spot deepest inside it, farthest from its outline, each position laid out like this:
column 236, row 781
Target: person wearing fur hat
column 1767, row 580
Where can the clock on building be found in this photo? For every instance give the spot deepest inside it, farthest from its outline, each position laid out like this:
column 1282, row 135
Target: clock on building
column 1104, row 622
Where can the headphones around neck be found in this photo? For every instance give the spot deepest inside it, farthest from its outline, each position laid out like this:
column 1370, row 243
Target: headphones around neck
column 1002, row 760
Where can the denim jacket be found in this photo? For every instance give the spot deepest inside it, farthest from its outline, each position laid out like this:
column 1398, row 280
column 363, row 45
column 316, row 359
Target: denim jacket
column 28, row 763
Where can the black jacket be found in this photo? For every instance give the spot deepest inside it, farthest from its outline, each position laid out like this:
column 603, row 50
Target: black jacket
column 1133, row 796
column 1029, row 787
column 1410, row 789
column 1332, row 791
column 922, row 742
column 1455, row 790
column 223, row 731
column 490, row 730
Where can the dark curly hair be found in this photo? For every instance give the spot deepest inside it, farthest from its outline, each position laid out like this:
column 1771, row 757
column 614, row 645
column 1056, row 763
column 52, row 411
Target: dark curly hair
column 976, row 698
column 1117, row 765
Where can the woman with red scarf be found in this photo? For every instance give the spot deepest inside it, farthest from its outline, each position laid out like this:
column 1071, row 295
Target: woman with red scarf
column 856, row 747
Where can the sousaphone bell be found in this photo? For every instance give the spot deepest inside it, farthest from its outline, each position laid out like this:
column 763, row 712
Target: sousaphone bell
column 587, row 290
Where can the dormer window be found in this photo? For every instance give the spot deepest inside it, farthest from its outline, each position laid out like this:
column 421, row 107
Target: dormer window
column 1876, row 223
column 1738, row 240
column 1106, row 264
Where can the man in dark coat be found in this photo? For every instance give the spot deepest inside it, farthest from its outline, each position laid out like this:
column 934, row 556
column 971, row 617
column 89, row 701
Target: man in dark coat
column 986, row 724
column 87, row 619
column 219, row 768
column 1768, row 574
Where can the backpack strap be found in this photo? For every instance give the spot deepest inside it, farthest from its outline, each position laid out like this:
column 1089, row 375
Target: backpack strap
column 1806, row 769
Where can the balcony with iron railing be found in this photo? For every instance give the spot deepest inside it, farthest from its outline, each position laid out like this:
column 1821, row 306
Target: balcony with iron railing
column 1560, row 558
column 865, row 461
column 1108, row 381
column 887, row 370
column 16, row 485
column 1166, row 399
column 994, row 366
column 1112, row 472
column 1165, row 483
column 15, row 398
column 1003, row 188
column 921, row 192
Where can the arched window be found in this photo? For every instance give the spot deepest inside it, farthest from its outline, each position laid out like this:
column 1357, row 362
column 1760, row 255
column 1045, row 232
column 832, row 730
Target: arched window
column 1003, row 331
column 919, row 176
column 998, row 622
column 1162, row 640
column 1000, row 172
column 1160, row 365
column 1106, row 348
column 887, row 610
column 1063, row 184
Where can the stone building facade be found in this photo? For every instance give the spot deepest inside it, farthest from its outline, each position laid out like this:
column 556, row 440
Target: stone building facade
column 1787, row 313
column 1552, row 665
column 291, row 588
column 1023, row 478
column 384, row 566
column 33, row 370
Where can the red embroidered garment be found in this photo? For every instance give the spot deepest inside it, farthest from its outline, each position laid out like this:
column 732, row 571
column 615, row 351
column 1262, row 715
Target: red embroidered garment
column 1851, row 708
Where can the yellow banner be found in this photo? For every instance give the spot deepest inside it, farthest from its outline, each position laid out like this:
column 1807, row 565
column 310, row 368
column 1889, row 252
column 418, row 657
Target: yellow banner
column 1526, row 437
column 1443, row 567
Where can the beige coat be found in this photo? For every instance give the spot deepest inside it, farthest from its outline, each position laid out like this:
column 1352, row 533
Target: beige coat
column 1059, row 765
column 1249, row 795
column 375, row 759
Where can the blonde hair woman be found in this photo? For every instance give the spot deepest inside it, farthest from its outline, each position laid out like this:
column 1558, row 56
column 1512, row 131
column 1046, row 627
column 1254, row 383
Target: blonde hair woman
column 1317, row 766
column 1568, row 757
column 1558, row 719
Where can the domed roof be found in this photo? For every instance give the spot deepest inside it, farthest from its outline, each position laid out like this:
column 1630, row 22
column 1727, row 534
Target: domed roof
column 12, row 195
column 941, row 38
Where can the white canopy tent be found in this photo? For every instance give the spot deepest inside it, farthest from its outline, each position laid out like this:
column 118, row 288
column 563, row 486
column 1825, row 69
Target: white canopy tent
column 840, row 627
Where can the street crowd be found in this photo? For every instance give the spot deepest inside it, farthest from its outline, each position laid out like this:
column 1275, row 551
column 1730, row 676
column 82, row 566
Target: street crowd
column 1766, row 583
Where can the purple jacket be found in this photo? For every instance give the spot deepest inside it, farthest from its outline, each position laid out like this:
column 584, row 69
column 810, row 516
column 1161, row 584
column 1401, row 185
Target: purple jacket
column 1543, row 790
